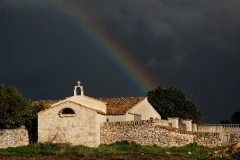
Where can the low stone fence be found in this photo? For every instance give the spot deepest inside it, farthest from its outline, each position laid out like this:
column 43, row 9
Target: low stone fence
column 13, row 137
column 232, row 137
column 152, row 132
column 228, row 132
column 145, row 132
column 207, row 139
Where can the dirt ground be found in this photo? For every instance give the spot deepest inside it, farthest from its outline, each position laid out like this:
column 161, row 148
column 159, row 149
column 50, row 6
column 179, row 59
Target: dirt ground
column 114, row 156
column 137, row 156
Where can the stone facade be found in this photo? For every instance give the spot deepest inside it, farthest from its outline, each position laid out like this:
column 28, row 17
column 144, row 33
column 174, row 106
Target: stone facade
column 208, row 139
column 146, row 132
column 80, row 128
column 13, row 137
column 235, row 137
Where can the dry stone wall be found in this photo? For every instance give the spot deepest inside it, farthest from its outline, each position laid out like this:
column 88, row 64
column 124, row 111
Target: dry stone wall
column 13, row 137
column 146, row 132
column 208, row 139
column 235, row 137
column 155, row 132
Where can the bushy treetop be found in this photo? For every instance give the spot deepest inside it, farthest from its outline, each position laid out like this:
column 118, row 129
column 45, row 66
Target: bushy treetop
column 236, row 117
column 15, row 109
column 173, row 102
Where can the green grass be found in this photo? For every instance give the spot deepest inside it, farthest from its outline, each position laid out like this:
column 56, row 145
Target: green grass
column 32, row 149
column 198, row 152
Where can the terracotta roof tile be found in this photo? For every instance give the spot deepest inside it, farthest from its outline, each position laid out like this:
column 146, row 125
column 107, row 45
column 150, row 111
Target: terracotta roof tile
column 115, row 106
column 119, row 106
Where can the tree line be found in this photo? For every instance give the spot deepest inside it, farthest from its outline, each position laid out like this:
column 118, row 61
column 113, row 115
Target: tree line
column 235, row 119
column 173, row 102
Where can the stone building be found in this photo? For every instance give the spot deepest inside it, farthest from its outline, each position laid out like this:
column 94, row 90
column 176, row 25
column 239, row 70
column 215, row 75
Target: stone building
column 129, row 109
column 76, row 120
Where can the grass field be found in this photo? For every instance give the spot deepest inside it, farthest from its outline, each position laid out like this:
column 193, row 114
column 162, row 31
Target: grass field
column 118, row 150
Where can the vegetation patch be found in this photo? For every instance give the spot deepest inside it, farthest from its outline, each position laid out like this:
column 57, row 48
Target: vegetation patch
column 118, row 150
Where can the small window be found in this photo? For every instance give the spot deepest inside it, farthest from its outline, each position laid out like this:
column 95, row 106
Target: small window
column 68, row 111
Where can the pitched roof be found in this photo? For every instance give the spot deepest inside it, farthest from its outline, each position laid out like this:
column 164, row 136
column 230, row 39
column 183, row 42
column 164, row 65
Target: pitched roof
column 119, row 106
column 48, row 104
column 115, row 106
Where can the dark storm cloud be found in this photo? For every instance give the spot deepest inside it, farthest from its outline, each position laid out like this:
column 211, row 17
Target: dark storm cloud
column 183, row 25
column 192, row 45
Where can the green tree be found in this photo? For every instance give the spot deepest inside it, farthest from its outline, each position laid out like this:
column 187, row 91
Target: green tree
column 31, row 122
column 173, row 102
column 14, row 108
column 16, row 111
column 236, row 117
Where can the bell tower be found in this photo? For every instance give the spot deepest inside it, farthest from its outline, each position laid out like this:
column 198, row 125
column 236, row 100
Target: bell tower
column 78, row 90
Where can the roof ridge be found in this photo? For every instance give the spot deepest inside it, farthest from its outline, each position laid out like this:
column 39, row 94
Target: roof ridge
column 94, row 99
column 67, row 101
column 121, row 97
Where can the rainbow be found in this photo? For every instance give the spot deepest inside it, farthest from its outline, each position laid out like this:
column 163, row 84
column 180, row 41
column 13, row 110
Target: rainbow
column 134, row 74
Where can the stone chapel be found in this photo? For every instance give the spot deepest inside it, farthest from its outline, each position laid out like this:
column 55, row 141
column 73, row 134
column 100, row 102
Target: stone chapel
column 76, row 119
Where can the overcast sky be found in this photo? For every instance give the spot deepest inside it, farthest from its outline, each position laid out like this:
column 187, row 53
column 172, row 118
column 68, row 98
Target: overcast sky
column 192, row 45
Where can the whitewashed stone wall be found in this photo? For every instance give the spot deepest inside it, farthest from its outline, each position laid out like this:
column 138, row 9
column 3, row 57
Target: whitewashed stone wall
column 13, row 137
column 146, row 132
column 173, row 121
column 81, row 128
column 186, row 124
